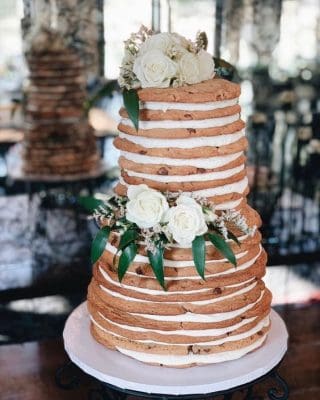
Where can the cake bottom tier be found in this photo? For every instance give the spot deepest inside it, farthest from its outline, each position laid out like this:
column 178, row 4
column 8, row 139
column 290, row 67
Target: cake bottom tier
column 182, row 340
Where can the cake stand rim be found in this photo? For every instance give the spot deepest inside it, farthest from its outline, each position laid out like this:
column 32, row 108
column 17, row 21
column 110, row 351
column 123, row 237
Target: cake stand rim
column 81, row 315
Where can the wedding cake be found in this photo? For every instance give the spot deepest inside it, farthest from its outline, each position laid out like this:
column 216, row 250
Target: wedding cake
column 58, row 137
column 177, row 279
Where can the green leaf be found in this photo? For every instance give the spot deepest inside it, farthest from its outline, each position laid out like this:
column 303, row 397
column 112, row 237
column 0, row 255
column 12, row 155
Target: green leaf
column 127, row 256
column 199, row 254
column 89, row 203
column 223, row 247
column 225, row 70
column 99, row 243
column 131, row 103
column 156, row 262
column 128, row 236
column 233, row 237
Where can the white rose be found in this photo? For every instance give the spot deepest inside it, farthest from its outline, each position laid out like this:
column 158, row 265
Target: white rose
column 160, row 41
column 146, row 206
column 206, row 65
column 185, row 220
column 189, row 69
column 154, row 69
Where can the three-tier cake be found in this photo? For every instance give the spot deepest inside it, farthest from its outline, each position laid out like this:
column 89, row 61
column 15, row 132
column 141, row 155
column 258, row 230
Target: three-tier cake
column 189, row 147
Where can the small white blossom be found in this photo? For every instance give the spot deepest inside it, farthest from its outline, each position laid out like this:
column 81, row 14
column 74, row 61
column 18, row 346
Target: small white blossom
column 238, row 220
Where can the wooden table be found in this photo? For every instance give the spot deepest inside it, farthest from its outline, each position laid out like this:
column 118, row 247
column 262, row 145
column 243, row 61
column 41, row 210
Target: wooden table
column 27, row 370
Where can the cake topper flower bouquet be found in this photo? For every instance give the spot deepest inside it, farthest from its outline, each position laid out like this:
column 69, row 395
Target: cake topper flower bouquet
column 164, row 59
column 161, row 60
column 156, row 221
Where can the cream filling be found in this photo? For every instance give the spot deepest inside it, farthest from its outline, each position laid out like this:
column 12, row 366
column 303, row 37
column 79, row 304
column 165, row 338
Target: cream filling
column 228, row 205
column 188, row 143
column 176, row 360
column 206, row 163
column 201, row 318
column 236, row 187
column 207, row 106
column 172, row 263
column 161, row 292
column 188, row 316
column 208, row 332
column 185, row 124
column 188, row 178
column 246, row 265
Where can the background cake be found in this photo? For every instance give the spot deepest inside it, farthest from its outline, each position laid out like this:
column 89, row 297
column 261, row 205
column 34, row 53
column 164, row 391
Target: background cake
column 58, row 138
column 190, row 144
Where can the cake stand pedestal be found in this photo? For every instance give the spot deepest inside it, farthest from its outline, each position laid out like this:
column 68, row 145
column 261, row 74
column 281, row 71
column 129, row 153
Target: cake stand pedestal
column 117, row 376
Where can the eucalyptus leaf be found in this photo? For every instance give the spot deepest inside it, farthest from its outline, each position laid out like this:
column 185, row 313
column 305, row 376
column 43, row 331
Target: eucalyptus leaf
column 89, row 203
column 199, row 254
column 233, row 237
column 127, row 256
column 99, row 243
column 131, row 103
column 223, row 247
column 156, row 262
column 127, row 237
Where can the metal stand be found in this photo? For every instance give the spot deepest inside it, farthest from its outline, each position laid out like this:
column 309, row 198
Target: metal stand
column 68, row 377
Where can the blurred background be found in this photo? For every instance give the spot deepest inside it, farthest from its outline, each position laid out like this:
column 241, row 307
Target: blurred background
column 45, row 237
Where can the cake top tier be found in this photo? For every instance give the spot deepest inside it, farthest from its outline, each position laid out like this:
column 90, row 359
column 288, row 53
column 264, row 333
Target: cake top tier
column 208, row 91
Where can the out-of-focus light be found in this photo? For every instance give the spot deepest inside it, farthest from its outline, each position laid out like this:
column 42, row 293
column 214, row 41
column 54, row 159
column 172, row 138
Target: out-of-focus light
column 306, row 74
column 101, row 121
column 246, row 92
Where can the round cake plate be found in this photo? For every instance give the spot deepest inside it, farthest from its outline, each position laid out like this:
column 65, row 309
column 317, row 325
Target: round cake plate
column 116, row 369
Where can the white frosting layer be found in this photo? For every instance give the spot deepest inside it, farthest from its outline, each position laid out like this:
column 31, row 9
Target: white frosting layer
column 228, row 205
column 157, row 292
column 207, row 106
column 236, row 187
column 176, row 360
column 203, row 318
column 245, row 265
column 203, row 332
column 262, row 324
column 188, row 143
column 207, row 163
column 171, row 263
column 210, row 176
column 188, row 316
column 185, row 124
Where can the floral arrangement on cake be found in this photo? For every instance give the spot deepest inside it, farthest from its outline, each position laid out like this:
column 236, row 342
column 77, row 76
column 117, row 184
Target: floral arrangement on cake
column 157, row 221
column 161, row 60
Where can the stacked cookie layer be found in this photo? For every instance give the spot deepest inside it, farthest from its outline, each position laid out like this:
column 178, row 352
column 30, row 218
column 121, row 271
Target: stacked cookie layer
column 58, row 137
column 190, row 139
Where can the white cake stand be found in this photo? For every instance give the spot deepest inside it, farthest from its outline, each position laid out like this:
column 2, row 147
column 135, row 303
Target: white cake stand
column 126, row 374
